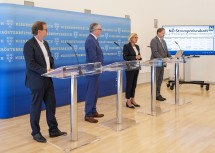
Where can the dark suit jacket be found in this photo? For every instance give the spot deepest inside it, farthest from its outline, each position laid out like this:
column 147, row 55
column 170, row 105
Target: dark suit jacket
column 36, row 64
column 129, row 53
column 159, row 51
column 93, row 50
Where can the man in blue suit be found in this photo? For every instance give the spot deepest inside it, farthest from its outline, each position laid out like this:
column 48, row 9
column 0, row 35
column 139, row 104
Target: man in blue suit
column 93, row 54
column 38, row 61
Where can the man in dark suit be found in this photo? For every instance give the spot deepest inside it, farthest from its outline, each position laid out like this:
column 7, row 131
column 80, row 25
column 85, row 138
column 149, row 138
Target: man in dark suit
column 93, row 54
column 159, row 50
column 39, row 61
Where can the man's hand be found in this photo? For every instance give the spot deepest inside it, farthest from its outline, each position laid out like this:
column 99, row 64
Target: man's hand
column 138, row 57
column 165, row 59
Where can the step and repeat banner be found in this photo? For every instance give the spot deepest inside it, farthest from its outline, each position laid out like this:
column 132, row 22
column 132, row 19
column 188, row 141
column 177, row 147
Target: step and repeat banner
column 63, row 26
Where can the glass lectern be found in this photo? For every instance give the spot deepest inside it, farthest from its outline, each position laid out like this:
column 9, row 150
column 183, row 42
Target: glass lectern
column 120, row 123
column 153, row 109
column 176, row 61
column 77, row 138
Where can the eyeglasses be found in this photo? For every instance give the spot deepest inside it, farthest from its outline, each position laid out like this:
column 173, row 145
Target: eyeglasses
column 45, row 30
column 136, row 37
column 98, row 29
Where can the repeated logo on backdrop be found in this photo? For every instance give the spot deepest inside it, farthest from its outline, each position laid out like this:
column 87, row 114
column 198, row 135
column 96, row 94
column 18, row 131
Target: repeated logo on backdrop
column 15, row 30
column 63, row 27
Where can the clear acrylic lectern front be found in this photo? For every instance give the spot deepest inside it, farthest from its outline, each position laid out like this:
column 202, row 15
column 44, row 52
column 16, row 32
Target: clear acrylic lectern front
column 120, row 123
column 77, row 138
column 176, row 61
column 153, row 109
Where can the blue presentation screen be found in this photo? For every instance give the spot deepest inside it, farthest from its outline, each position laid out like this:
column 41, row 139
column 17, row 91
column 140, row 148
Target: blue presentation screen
column 194, row 40
column 63, row 26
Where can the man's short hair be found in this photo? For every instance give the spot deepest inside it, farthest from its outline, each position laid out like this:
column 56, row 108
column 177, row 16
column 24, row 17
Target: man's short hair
column 92, row 26
column 160, row 30
column 38, row 25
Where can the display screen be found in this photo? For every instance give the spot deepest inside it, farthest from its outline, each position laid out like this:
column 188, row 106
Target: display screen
column 193, row 39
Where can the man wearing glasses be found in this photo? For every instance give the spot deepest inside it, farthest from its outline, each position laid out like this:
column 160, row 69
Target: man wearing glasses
column 38, row 61
column 93, row 54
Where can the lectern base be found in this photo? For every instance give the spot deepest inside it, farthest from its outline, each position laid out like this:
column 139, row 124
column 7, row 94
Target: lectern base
column 65, row 143
column 181, row 101
column 156, row 111
column 126, row 123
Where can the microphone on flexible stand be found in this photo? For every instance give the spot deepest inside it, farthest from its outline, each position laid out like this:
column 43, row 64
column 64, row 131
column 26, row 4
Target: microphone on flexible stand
column 127, row 64
column 79, row 67
column 178, row 45
column 181, row 50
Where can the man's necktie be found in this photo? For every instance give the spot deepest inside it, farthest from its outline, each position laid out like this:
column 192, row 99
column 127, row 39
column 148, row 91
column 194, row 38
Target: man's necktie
column 162, row 45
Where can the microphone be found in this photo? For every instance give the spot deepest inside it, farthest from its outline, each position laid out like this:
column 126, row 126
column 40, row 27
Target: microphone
column 121, row 50
column 79, row 67
column 116, row 43
column 127, row 64
column 182, row 54
column 177, row 44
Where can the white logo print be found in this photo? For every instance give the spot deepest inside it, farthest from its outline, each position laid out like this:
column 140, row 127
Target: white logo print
column 9, row 40
column 119, row 30
column 56, row 40
column 106, row 47
column 106, row 35
column 56, row 25
column 75, row 47
column 75, row 34
column 119, row 53
column 9, row 57
column 56, row 55
column 9, row 23
column 119, row 42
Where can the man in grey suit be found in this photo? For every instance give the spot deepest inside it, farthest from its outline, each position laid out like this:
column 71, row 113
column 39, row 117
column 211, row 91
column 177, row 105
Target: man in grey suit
column 159, row 50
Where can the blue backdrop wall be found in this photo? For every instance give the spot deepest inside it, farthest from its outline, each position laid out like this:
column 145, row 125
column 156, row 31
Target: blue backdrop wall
column 63, row 26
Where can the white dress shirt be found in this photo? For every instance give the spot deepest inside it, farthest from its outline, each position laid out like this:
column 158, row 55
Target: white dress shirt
column 136, row 51
column 94, row 36
column 45, row 53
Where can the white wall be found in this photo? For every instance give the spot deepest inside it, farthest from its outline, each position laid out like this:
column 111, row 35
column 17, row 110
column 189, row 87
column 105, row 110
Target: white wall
column 143, row 13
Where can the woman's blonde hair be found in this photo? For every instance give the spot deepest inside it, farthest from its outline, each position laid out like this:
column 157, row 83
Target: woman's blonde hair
column 131, row 36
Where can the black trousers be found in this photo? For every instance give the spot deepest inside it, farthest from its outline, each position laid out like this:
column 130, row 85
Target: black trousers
column 131, row 83
column 159, row 79
column 47, row 95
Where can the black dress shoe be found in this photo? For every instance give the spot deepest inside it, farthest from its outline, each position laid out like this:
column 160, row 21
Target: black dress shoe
column 163, row 97
column 136, row 105
column 39, row 138
column 57, row 133
column 90, row 119
column 130, row 106
column 159, row 98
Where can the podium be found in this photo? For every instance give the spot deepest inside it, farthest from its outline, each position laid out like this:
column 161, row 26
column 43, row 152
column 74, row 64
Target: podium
column 120, row 123
column 176, row 61
column 154, row 109
column 76, row 139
